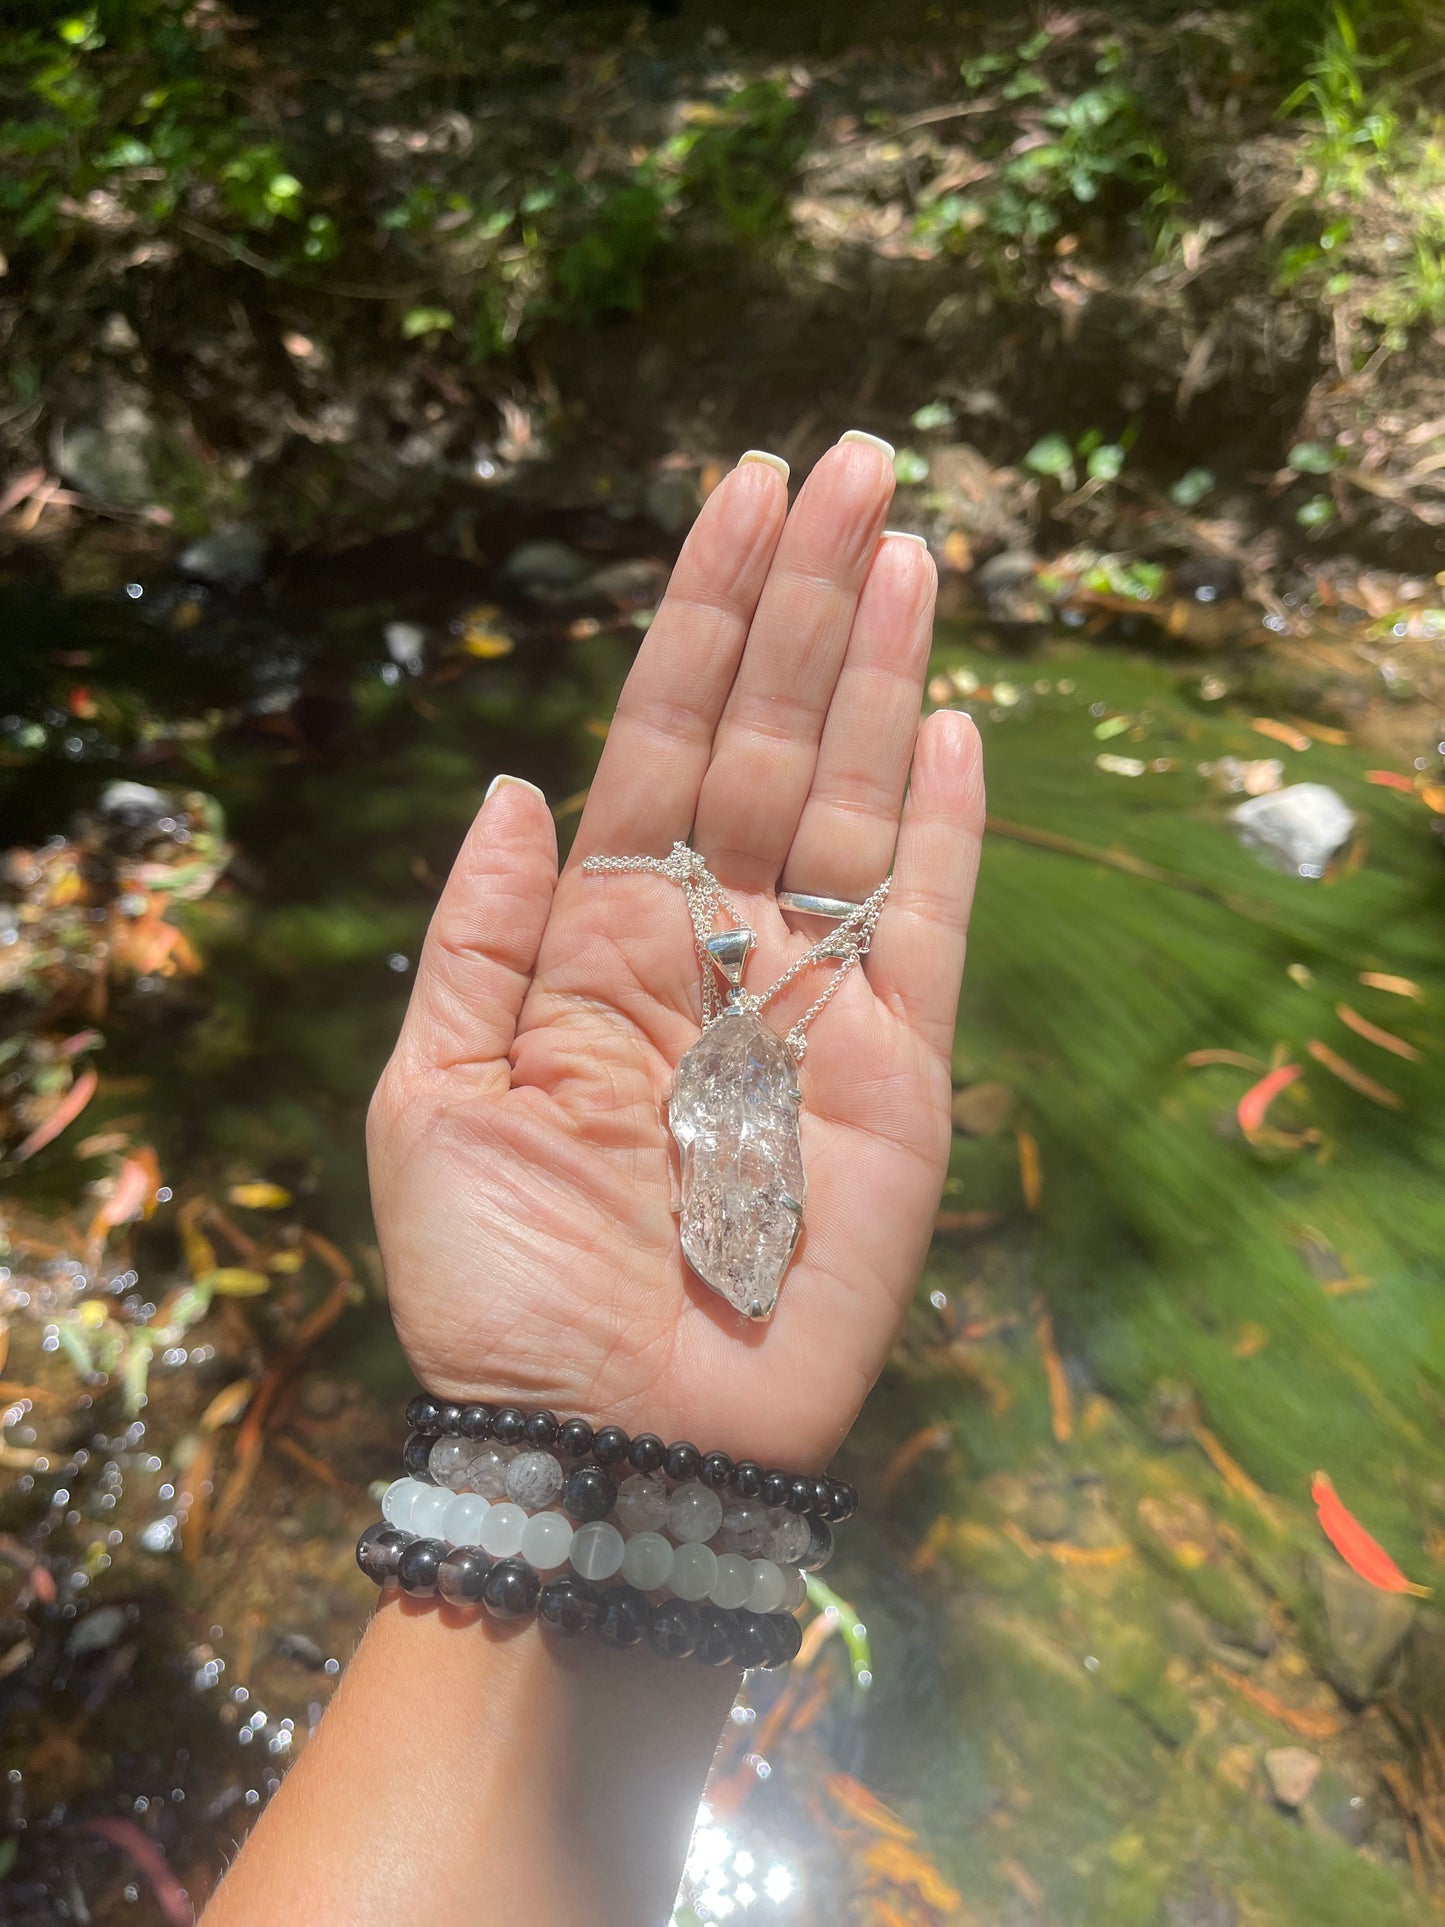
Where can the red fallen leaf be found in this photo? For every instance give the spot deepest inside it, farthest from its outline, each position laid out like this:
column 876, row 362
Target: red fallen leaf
column 1389, row 779
column 1252, row 1107
column 171, row 1896
column 1361, row 1553
column 66, row 1111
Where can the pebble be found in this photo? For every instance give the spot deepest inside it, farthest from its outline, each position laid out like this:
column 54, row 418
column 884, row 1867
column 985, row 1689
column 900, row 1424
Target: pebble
column 1296, row 829
column 1292, row 1772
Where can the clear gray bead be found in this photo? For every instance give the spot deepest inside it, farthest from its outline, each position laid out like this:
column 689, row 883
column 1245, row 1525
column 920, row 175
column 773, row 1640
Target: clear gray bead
column 746, row 1528
column 487, row 1470
column 789, row 1536
column 694, row 1513
column 447, row 1462
column 642, row 1504
column 534, row 1479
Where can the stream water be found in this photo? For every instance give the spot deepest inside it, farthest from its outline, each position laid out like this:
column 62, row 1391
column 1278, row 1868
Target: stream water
column 1088, row 1656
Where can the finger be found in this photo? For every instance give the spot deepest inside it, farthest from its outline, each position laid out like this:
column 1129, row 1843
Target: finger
column 916, row 963
column 480, row 951
column 767, row 741
column 644, row 794
column 849, row 823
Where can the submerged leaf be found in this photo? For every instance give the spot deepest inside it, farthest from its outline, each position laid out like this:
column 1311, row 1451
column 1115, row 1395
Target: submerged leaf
column 1362, row 1554
column 259, row 1195
column 1251, row 1109
column 235, row 1281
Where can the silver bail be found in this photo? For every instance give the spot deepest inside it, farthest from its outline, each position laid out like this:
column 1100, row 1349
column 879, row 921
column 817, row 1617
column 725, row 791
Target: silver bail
column 729, row 951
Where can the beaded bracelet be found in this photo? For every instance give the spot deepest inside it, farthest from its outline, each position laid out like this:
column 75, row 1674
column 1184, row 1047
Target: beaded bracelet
column 620, row 1616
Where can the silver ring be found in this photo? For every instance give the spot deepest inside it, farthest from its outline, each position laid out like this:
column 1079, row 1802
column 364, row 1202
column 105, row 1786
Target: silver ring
column 835, row 908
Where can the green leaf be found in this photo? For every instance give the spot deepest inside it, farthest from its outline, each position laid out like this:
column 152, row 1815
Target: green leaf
column 426, row 321
column 1192, row 487
column 1052, row 456
column 933, row 414
column 909, row 467
column 1312, row 458
column 1316, row 513
column 136, row 1377
column 1105, row 462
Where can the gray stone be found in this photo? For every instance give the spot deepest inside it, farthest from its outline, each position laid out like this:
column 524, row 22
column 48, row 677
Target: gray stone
column 734, row 1114
column 1292, row 1772
column 406, row 645
column 1366, row 1627
column 1296, row 829
column 229, row 556
column 113, row 459
column 672, row 499
column 545, row 568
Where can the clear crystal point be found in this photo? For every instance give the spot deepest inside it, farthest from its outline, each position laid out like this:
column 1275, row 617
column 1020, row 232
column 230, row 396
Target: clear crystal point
column 734, row 1114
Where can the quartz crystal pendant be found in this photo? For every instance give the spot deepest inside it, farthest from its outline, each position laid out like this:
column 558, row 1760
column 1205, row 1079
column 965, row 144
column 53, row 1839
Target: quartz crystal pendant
column 734, row 1113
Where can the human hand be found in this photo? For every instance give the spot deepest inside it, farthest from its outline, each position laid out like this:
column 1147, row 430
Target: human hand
column 521, row 1165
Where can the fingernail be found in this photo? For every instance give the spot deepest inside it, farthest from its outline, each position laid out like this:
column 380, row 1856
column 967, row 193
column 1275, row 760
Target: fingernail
column 768, row 461
column 520, row 781
column 873, row 441
column 905, row 535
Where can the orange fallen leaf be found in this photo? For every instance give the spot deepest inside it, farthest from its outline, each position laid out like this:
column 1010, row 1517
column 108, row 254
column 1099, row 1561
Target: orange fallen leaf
column 1433, row 797
column 902, row 1866
column 132, row 1193
column 1325, row 733
column 928, row 1438
column 866, row 1808
column 1280, row 733
column 1061, row 1405
column 1309, row 1726
column 65, row 1113
column 1234, row 1474
column 1362, row 1554
column 1356, row 1079
column 1031, row 1169
column 1251, row 1108
column 1372, row 1034
column 1200, row 1059
column 1396, row 986
column 1389, row 779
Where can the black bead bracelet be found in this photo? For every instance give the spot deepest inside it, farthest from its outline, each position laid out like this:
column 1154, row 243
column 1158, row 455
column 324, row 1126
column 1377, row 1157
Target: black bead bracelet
column 432, row 1418
column 620, row 1615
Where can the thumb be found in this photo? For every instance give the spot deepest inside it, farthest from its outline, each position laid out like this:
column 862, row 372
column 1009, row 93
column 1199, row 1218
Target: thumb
column 482, row 946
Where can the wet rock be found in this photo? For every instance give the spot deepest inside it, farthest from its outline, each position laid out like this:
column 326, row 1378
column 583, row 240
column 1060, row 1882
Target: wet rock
column 546, row 570
column 982, row 1109
column 114, row 458
column 1172, row 1411
column 1200, row 1904
column 1047, row 1515
column 1296, row 829
column 1292, row 1772
column 406, row 645
column 230, row 556
column 97, row 1631
column 136, row 805
column 302, row 1648
column 1008, row 584
column 636, row 582
column 1339, row 1807
column 1366, row 1628
column 672, row 499
column 1207, row 578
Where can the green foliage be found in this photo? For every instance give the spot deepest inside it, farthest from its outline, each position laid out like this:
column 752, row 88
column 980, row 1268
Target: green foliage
column 740, row 161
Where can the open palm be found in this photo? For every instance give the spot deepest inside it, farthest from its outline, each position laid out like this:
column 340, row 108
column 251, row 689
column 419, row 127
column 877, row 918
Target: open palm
column 523, row 1176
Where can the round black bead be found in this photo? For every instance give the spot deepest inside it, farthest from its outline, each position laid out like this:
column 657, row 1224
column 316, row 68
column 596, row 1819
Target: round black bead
column 588, row 1493
column 683, row 1461
column 625, row 1617
column 748, row 1479
column 418, row 1566
column 421, row 1414
column 609, row 1445
column 509, row 1426
column 569, row 1605
column 845, row 1499
column 462, row 1575
column 449, row 1418
column 542, row 1429
column 510, row 1589
column 675, row 1630
column 417, row 1453
column 776, row 1488
column 379, row 1549
column 819, row 1549
column 574, row 1438
column 751, row 1643
column 647, row 1452
column 787, row 1638
column 715, row 1636
column 716, row 1471
column 800, row 1495
column 476, row 1422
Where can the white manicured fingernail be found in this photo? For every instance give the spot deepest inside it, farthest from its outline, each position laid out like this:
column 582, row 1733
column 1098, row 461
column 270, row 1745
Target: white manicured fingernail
column 768, row 461
column 520, row 781
column 905, row 535
column 873, row 441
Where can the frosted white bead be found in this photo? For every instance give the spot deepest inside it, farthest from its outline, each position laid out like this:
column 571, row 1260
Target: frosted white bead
column 547, row 1540
column 647, row 1561
column 597, row 1550
column 535, row 1478
column 398, row 1499
column 502, row 1531
column 788, row 1540
column 642, row 1504
column 447, row 1461
column 694, row 1513
column 487, row 1470
column 429, row 1509
column 733, row 1581
column 462, row 1523
column 795, row 1589
column 694, row 1571
column 767, row 1593
column 746, row 1528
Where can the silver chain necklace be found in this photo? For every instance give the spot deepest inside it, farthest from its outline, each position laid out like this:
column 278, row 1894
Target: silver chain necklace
column 735, row 1100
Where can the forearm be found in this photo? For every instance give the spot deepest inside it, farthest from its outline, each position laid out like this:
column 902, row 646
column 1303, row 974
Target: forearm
column 463, row 1770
